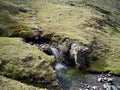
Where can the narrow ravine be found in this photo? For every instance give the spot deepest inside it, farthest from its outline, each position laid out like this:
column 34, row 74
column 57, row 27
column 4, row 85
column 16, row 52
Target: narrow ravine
column 71, row 78
column 74, row 79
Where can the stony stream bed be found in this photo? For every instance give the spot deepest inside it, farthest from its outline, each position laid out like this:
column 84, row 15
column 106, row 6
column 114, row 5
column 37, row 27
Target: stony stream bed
column 73, row 79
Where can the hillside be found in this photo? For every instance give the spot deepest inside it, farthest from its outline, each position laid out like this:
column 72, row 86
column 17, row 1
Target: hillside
column 91, row 23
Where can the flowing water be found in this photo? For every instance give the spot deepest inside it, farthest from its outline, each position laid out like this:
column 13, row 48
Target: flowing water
column 72, row 79
column 55, row 53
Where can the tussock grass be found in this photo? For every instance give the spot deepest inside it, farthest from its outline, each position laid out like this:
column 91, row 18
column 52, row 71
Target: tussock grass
column 82, row 22
column 21, row 60
column 6, row 83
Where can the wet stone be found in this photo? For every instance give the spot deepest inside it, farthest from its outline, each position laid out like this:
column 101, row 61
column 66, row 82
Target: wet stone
column 110, row 80
column 94, row 87
column 109, row 75
column 105, row 78
column 100, row 79
column 88, row 87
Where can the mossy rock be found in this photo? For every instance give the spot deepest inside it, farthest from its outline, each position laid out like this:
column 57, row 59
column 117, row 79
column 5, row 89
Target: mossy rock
column 21, row 60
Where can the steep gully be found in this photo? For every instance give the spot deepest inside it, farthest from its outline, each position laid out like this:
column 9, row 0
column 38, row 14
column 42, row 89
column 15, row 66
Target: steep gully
column 71, row 62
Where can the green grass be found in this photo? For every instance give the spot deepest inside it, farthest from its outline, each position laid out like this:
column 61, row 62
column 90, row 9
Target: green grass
column 9, row 25
column 23, row 60
column 6, row 83
column 82, row 23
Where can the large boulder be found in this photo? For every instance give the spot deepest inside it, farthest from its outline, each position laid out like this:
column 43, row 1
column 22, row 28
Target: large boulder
column 79, row 54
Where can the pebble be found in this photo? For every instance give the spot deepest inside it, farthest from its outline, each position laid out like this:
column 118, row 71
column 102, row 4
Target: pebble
column 105, row 78
column 114, row 87
column 94, row 87
column 88, row 87
column 118, row 87
column 110, row 80
column 100, row 79
column 104, row 86
column 109, row 75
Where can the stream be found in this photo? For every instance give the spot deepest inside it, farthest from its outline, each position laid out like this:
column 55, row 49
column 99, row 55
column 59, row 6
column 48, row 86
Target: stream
column 72, row 79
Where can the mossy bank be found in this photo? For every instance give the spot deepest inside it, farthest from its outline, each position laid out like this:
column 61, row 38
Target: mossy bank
column 22, row 61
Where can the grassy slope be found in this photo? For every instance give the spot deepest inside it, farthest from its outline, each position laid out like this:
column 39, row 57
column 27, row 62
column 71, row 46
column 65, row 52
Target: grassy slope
column 6, row 83
column 9, row 25
column 21, row 60
column 82, row 23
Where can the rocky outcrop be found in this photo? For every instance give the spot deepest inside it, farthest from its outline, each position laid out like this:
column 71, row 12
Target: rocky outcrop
column 50, row 50
column 68, row 53
column 79, row 54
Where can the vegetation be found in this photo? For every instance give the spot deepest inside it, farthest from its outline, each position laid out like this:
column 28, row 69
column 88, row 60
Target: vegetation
column 6, row 83
column 89, row 22
column 23, row 61
column 95, row 23
column 9, row 25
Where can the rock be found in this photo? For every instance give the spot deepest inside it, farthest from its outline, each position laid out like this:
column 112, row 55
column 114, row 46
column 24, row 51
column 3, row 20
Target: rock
column 88, row 87
column 100, row 79
column 114, row 87
column 110, row 80
column 78, row 54
column 94, row 87
column 104, row 86
column 50, row 50
column 109, row 75
column 105, row 78
column 108, row 86
column 55, row 83
column 46, row 49
column 118, row 87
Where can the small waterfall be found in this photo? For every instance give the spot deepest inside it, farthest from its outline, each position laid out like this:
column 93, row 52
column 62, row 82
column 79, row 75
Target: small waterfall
column 55, row 53
column 59, row 66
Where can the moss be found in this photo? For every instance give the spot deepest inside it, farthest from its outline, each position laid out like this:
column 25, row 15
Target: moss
column 6, row 83
column 23, row 60
column 86, row 20
column 9, row 25
column 83, row 23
